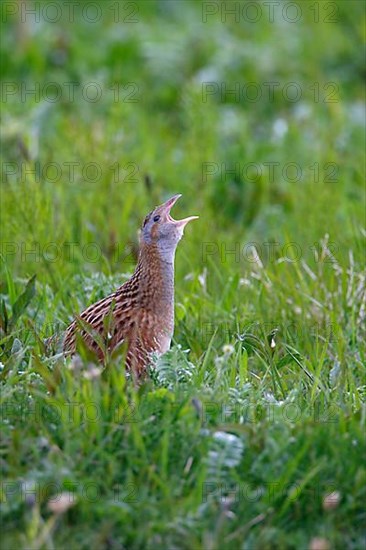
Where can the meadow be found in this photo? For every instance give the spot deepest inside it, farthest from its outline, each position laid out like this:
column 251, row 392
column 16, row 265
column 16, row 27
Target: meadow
column 250, row 432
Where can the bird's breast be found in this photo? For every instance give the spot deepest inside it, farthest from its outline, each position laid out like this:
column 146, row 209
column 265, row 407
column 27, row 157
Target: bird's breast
column 166, row 329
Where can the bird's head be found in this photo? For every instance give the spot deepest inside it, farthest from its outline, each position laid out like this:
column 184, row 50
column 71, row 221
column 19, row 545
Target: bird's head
column 161, row 229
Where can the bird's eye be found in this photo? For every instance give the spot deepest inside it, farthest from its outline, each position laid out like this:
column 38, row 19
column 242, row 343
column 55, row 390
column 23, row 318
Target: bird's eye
column 156, row 218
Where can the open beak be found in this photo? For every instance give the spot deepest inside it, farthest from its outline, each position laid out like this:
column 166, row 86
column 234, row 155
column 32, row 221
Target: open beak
column 168, row 205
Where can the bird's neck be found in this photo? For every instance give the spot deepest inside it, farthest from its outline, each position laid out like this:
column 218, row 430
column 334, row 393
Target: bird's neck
column 155, row 271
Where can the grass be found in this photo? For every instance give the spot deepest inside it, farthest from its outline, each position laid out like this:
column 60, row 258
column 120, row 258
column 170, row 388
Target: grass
column 249, row 433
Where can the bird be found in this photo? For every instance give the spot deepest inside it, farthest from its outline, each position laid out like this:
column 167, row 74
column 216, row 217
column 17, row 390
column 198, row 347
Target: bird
column 140, row 313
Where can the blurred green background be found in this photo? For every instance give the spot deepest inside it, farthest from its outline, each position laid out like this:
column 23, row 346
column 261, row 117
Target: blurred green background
column 147, row 91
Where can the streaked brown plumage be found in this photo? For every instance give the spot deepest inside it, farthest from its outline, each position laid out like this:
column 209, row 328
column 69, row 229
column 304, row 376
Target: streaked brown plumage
column 139, row 313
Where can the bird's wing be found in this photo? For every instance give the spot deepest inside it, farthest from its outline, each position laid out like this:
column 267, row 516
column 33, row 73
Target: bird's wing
column 108, row 319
